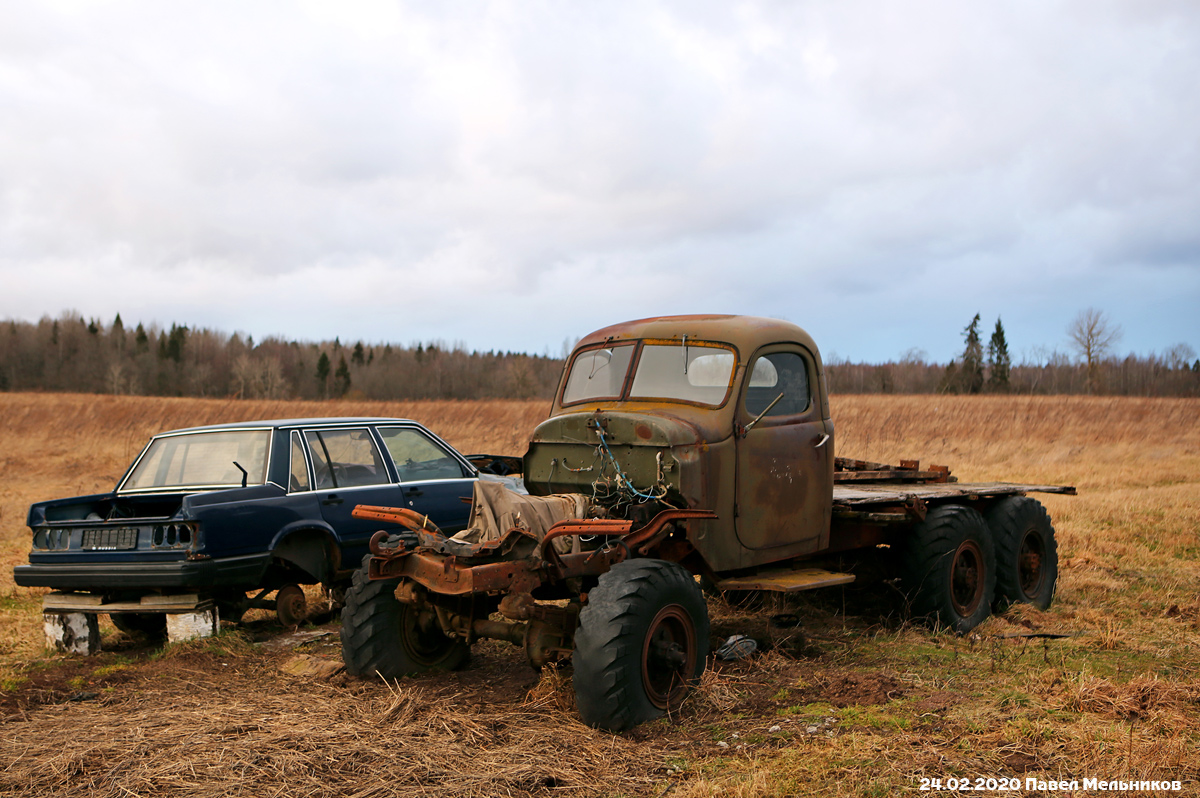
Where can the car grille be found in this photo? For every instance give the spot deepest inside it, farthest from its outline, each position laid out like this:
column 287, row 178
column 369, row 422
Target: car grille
column 110, row 539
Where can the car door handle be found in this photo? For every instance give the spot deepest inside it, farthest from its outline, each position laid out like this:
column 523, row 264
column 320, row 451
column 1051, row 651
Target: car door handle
column 332, row 499
column 822, row 442
column 414, row 492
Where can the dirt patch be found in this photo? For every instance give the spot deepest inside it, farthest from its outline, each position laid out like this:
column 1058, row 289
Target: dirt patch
column 844, row 689
column 58, row 681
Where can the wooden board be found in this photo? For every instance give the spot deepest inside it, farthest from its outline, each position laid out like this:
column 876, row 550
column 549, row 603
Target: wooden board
column 90, row 602
column 786, row 580
column 892, row 493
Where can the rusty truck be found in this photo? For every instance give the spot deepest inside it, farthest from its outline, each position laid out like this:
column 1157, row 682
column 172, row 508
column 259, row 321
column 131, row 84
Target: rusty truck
column 697, row 449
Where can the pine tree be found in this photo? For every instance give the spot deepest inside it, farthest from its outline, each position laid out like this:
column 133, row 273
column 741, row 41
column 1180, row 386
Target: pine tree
column 971, row 374
column 358, row 356
column 323, row 372
column 341, row 380
column 999, row 362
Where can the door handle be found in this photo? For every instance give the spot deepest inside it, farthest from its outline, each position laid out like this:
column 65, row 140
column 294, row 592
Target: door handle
column 331, row 499
column 414, row 492
column 822, row 442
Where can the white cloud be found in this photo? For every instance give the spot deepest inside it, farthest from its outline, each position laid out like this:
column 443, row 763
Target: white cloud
column 512, row 174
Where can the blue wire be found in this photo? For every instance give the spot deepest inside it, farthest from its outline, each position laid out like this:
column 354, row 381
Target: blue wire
column 617, row 466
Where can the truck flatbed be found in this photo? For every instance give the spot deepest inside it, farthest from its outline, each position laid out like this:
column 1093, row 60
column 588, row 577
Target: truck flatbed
column 859, row 496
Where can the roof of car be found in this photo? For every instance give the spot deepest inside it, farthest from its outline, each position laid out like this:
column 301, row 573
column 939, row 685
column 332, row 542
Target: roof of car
column 295, row 422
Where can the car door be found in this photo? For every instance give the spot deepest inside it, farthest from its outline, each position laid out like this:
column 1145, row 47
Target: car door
column 784, row 465
column 348, row 469
column 435, row 480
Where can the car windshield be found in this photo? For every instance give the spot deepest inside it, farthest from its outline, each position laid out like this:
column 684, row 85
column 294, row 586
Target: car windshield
column 201, row 460
column 698, row 372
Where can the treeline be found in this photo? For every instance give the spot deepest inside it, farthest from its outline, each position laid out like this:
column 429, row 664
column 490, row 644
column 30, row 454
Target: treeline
column 73, row 354
column 1151, row 375
column 990, row 369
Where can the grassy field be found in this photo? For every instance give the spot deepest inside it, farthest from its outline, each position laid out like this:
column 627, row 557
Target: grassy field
column 869, row 705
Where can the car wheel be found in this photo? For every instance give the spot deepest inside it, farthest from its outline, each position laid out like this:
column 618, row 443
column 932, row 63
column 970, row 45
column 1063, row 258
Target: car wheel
column 291, row 606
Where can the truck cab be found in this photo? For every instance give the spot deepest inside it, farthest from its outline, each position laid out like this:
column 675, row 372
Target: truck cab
column 724, row 413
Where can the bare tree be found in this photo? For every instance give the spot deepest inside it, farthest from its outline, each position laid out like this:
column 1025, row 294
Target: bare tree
column 1093, row 336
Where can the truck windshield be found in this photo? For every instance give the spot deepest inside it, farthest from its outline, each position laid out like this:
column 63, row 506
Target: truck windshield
column 598, row 374
column 695, row 373
column 699, row 372
column 201, row 460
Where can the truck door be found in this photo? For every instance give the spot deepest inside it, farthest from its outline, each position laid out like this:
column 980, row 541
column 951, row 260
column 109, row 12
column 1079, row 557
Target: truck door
column 785, row 459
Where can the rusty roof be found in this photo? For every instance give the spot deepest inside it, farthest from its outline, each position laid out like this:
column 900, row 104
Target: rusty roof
column 747, row 333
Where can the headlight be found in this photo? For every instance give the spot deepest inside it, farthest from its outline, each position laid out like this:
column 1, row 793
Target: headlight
column 40, row 539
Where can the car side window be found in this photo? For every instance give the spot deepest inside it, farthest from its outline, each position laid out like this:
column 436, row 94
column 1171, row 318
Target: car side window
column 418, row 457
column 299, row 468
column 776, row 374
column 345, row 458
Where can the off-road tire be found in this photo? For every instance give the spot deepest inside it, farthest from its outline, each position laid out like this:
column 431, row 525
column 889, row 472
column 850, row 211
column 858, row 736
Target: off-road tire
column 1026, row 552
column 152, row 625
column 948, row 568
column 641, row 644
column 380, row 635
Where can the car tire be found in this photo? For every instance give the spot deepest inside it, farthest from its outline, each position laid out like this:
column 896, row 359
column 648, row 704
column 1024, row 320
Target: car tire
column 641, row 644
column 1026, row 552
column 948, row 568
column 385, row 637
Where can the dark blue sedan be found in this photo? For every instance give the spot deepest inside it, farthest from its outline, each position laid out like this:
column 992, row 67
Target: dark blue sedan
column 252, row 506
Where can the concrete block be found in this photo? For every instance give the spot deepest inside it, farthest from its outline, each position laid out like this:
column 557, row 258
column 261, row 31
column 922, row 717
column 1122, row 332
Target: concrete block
column 190, row 625
column 73, row 632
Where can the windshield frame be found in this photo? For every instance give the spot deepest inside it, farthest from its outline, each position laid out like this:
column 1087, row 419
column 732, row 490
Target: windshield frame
column 252, row 479
column 635, row 363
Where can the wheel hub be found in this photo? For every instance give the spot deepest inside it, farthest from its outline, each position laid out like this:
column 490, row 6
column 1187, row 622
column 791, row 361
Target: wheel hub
column 668, row 656
column 1029, row 564
column 967, row 578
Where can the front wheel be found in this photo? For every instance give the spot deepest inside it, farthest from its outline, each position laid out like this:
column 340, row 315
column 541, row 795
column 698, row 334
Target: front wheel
column 948, row 568
column 1026, row 552
column 383, row 636
column 642, row 642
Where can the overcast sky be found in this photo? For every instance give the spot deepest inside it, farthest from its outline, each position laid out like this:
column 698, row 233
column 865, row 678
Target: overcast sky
column 511, row 175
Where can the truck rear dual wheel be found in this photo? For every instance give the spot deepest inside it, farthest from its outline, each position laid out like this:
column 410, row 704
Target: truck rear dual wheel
column 383, row 636
column 1026, row 552
column 641, row 644
column 949, row 568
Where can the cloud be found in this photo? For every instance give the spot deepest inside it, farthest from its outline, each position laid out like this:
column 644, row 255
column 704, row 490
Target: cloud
column 511, row 174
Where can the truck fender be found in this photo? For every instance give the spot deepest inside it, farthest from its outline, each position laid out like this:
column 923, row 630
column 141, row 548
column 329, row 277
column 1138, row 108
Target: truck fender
column 312, row 548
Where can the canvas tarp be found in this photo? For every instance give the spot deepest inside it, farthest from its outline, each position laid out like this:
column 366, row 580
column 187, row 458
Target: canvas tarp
column 496, row 510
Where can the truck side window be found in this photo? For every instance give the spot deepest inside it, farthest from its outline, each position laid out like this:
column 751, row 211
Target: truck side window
column 299, row 470
column 773, row 374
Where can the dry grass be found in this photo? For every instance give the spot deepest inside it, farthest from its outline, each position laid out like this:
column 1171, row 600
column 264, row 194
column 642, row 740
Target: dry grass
column 887, row 703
